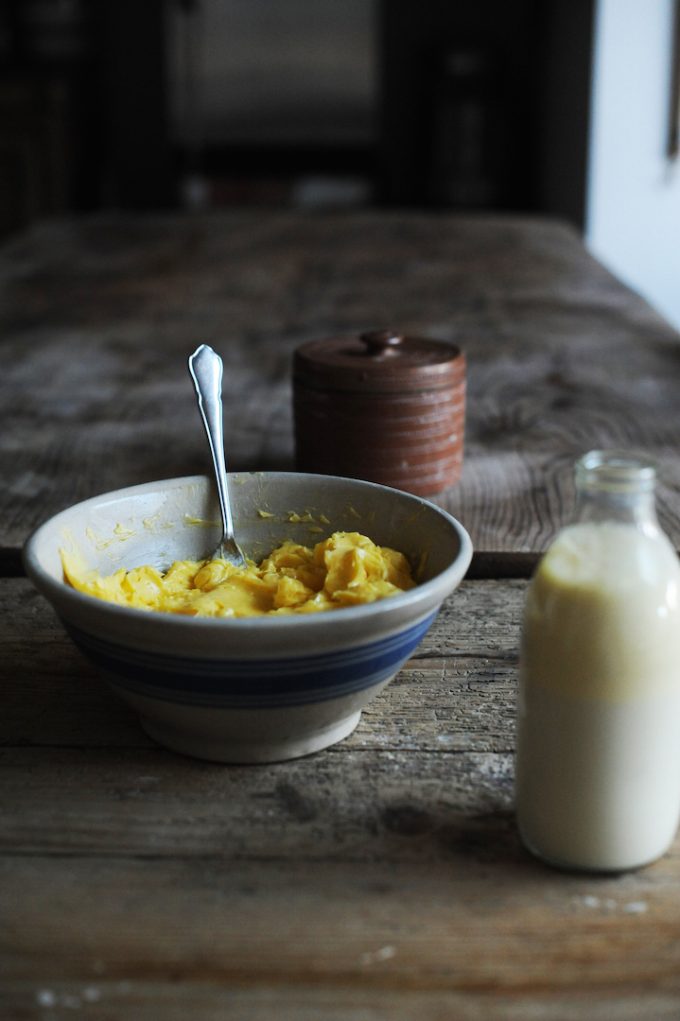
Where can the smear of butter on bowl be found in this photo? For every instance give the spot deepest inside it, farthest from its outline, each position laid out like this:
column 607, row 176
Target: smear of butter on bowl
column 97, row 541
column 300, row 519
column 154, row 524
column 123, row 533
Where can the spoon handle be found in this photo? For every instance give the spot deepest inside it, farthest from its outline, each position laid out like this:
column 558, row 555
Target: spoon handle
column 205, row 367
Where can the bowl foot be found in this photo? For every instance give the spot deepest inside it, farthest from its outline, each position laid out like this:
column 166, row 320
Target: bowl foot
column 232, row 750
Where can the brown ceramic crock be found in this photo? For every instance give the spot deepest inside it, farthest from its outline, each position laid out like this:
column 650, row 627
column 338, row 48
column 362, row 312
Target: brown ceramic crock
column 383, row 407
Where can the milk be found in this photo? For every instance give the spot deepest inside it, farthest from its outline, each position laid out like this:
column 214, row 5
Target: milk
column 598, row 754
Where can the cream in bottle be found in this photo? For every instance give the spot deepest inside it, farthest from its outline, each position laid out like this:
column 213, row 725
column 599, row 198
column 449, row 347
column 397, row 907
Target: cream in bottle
column 598, row 753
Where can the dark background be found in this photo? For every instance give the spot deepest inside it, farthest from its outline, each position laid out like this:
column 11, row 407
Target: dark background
column 471, row 106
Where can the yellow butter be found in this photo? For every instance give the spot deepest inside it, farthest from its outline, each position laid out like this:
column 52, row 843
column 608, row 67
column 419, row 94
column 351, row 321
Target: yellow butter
column 344, row 570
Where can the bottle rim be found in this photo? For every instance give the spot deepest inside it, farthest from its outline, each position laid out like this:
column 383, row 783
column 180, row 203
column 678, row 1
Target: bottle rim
column 616, row 469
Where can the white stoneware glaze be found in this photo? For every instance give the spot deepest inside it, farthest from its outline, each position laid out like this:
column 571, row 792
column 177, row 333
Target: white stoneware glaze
column 260, row 689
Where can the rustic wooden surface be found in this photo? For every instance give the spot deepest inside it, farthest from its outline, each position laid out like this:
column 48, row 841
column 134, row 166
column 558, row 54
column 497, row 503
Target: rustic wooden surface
column 382, row 879
column 98, row 318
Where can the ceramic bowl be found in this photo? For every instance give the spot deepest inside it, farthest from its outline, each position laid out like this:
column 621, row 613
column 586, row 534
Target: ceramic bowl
column 259, row 689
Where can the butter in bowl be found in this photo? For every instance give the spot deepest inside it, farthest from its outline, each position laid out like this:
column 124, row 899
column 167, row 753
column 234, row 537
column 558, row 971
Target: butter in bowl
column 254, row 688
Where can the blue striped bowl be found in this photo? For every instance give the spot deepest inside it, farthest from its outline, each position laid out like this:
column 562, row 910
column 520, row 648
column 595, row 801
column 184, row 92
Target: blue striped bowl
column 248, row 690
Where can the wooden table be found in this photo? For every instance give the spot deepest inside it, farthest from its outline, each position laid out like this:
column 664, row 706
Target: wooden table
column 382, row 878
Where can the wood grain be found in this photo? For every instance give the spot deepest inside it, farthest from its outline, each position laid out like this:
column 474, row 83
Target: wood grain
column 101, row 999
column 98, row 317
column 382, row 879
column 457, row 693
column 451, row 926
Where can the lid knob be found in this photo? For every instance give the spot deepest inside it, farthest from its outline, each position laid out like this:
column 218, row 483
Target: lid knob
column 380, row 343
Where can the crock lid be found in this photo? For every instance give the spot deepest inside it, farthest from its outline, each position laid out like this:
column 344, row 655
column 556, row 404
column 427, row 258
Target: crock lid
column 379, row 361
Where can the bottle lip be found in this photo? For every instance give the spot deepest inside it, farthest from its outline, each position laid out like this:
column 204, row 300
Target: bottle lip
column 615, row 470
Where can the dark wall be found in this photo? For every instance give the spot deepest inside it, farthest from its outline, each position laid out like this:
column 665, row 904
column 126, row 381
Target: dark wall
column 481, row 105
column 82, row 108
column 485, row 105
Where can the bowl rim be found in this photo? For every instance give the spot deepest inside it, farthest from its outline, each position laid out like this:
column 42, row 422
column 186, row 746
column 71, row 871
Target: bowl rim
column 57, row 591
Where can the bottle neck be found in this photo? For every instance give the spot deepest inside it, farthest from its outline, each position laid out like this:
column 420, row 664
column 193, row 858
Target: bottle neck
column 613, row 486
column 626, row 508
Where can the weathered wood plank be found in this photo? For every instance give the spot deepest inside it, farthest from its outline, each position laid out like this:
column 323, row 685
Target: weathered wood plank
column 458, row 692
column 99, row 316
column 103, row 1000
column 344, row 804
column 480, row 618
column 461, row 925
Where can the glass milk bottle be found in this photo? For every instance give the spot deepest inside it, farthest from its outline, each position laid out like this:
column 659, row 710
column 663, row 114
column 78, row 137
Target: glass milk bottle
column 598, row 747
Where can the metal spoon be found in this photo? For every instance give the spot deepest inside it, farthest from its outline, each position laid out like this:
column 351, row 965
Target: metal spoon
column 205, row 368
